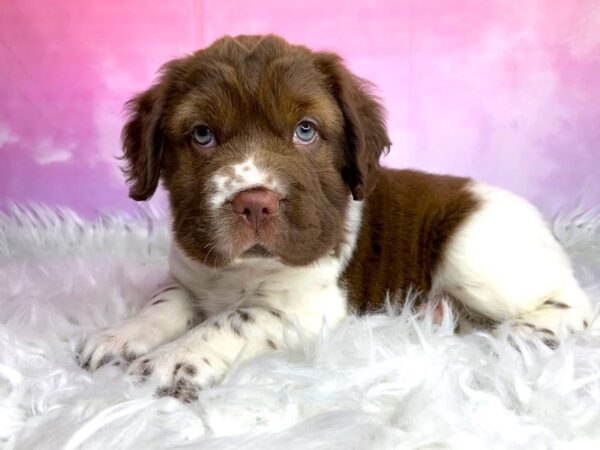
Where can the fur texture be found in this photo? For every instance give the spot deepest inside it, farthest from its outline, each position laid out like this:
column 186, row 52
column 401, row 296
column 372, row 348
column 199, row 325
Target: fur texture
column 390, row 380
column 263, row 148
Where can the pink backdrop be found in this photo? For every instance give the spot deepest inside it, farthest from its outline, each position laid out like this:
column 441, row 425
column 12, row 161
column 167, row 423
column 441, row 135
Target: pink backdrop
column 506, row 91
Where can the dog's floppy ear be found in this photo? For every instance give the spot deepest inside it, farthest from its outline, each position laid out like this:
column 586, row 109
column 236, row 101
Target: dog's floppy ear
column 366, row 136
column 143, row 140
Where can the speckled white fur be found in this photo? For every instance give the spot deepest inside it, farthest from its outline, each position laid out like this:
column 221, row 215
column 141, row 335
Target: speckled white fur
column 281, row 304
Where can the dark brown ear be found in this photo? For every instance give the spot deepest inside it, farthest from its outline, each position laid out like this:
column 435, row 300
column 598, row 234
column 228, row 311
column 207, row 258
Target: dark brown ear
column 142, row 139
column 365, row 131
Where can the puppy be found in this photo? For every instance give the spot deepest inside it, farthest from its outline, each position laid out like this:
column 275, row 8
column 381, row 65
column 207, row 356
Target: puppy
column 283, row 220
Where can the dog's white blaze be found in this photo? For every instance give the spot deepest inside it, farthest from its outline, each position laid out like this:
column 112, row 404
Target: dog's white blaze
column 504, row 262
column 239, row 177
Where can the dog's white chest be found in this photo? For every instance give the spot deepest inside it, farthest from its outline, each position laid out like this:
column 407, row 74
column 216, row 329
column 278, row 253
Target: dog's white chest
column 267, row 283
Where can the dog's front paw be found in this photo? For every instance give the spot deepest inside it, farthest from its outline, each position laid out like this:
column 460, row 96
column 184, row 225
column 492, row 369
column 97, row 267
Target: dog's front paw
column 128, row 340
column 180, row 371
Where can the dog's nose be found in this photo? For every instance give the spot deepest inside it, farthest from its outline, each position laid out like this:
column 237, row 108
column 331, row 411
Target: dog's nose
column 256, row 205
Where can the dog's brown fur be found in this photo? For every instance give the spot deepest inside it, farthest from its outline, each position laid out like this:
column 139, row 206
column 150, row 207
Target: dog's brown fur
column 407, row 223
column 252, row 91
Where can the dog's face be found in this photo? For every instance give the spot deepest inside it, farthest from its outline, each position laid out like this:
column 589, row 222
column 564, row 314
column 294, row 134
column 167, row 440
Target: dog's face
column 261, row 146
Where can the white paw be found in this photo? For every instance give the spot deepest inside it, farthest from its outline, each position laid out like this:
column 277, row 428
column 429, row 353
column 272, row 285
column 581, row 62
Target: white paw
column 129, row 339
column 180, row 370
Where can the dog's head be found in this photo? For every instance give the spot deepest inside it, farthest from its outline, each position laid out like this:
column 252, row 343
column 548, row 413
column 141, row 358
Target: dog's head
column 259, row 144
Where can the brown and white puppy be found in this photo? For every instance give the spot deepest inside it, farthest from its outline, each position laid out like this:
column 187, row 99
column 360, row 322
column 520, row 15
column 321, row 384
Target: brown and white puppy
column 283, row 220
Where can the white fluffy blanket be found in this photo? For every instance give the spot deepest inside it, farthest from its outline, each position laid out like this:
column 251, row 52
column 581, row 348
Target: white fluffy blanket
column 392, row 380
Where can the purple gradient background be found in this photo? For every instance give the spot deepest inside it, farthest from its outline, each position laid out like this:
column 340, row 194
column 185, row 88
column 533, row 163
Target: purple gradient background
column 505, row 91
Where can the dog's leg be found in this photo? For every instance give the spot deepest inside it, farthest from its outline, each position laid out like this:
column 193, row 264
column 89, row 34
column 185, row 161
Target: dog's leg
column 168, row 314
column 505, row 264
column 202, row 356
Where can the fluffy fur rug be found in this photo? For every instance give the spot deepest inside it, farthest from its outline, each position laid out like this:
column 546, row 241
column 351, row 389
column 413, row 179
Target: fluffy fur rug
column 391, row 380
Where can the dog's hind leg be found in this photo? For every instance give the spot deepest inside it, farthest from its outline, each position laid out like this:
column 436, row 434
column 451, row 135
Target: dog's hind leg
column 505, row 264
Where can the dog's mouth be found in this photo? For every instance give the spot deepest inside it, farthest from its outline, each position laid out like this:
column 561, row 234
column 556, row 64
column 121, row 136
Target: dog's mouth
column 246, row 239
column 257, row 251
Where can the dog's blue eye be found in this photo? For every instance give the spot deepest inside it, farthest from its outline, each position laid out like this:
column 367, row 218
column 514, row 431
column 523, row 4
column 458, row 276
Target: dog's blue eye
column 204, row 136
column 305, row 132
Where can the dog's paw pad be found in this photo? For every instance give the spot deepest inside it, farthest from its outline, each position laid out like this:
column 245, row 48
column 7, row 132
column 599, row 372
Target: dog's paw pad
column 182, row 389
